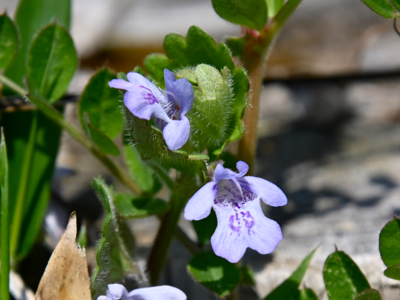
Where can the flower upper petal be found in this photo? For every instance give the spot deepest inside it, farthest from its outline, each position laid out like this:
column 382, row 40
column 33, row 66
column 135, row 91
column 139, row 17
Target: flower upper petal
column 142, row 104
column 163, row 292
column 199, row 206
column 266, row 233
column 182, row 89
column 176, row 133
column 269, row 192
column 223, row 173
column 121, row 84
column 242, row 168
column 228, row 241
column 140, row 80
column 117, row 291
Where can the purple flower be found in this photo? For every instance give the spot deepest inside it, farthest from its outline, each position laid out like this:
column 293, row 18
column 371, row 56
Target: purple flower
column 168, row 108
column 241, row 222
column 164, row 292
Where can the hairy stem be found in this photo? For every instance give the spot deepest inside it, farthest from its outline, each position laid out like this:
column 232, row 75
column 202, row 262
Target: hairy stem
column 184, row 189
column 253, row 60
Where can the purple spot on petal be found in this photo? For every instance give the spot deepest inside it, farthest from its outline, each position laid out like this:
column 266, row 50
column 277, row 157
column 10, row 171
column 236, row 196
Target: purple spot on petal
column 248, row 221
column 149, row 96
column 232, row 225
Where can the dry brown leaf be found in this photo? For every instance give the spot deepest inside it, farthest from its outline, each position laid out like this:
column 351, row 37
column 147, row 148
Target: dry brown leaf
column 66, row 276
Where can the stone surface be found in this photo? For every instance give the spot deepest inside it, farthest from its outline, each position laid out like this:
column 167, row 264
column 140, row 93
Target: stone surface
column 336, row 155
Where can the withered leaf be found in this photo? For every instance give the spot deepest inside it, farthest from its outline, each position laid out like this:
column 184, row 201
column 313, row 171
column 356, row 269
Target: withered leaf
column 66, row 276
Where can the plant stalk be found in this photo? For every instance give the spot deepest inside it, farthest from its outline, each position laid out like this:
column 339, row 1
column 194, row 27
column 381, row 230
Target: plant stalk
column 23, row 189
column 184, row 189
column 4, row 223
column 254, row 56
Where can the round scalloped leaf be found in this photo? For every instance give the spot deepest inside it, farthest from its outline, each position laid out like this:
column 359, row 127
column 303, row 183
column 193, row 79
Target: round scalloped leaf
column 215, row 273
column 343, row 279
column 101, row 105
column 389, row 243
column 197, row 48
column 52, row 62
column 8, row 41
column 393, row 272
column 370, row 294
column 249, row 13
column 383, row 7
column 155, row 64
column 210, row 69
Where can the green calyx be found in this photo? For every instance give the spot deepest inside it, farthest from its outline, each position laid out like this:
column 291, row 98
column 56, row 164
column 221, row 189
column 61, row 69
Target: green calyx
column 212, row 108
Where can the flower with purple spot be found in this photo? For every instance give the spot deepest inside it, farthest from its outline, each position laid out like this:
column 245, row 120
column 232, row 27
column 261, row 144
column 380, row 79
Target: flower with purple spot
column 168, row 108
column 236, row 202
column 164, row 292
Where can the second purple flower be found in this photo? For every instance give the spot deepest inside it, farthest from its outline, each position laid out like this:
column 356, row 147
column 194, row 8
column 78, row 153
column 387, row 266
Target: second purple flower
column 168, row 108
column 241, row 222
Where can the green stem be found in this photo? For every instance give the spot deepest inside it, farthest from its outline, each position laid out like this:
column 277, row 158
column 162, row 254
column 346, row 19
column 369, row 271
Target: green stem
column 23, row 189
column 168, row 227
column 11, row 84
column 186, row 241
column 4, row 230
column 53, row 114
column 253, row 60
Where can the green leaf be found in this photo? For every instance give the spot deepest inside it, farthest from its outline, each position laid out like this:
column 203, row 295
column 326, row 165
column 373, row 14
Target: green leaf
column 205, row 228
column 155, row 64
column 101, row 103
column 384, row 8
column 197, row 48
column 4, row 221
column 249, row 13
column 31, row 16
column 105, row 144
column 189, row 74
column 370, row 294
column 133, row 207
column 32, row 144
column 214, row 272
column 8, row 41
column 116, row 247
column 343, row 279
column 393, row 272
column 389, row 243
column 307, row 294
column 82, row 239
column 140, row 171
column 236, row 45
column 52, row 62
column 274, row 6
column 289, row 289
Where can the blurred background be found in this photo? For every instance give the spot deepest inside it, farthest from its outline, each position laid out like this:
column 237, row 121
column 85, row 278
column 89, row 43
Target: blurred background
column 329, row 130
